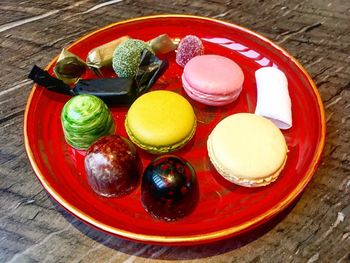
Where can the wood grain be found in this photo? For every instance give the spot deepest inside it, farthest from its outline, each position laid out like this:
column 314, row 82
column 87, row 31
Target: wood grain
column 33, row 228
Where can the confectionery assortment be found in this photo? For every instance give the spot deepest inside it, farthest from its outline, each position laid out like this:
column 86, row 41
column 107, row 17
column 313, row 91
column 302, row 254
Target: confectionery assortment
column 246, row 149
column 112, row 166
column 114, row 91
column 169, row 189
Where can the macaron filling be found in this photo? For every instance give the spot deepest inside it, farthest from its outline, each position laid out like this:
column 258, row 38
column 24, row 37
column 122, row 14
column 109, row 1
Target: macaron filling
column 247, row 149
column 212, row 79
column 159, row 148
column 211, row 99
column 228, row 175
column 160, row 121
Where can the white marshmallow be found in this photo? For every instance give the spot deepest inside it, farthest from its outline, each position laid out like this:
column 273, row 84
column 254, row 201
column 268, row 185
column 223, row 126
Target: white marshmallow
column 273, row 101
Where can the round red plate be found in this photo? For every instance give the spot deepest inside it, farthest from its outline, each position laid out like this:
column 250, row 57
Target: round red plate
column 223, row 209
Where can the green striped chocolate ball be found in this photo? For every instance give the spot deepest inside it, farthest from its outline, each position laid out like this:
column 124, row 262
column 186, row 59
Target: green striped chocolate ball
column 127, row 57
column 86, row 118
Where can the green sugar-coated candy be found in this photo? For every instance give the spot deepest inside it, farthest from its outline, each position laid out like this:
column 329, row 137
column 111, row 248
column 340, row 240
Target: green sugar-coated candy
column 86, row 118
column 126, row 57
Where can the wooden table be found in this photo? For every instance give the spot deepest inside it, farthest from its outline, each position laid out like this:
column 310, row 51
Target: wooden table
column 33, row 228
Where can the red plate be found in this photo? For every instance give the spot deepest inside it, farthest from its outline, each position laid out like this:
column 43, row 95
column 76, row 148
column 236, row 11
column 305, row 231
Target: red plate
column 223, row 209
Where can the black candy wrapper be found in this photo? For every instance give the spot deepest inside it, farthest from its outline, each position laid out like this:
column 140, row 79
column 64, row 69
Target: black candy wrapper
column 43, row 78
column 111, row 90
column 150, row 68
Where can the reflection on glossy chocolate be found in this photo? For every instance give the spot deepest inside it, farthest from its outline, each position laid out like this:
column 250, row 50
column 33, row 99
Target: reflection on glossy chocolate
column 169, row 188
column 112, row 166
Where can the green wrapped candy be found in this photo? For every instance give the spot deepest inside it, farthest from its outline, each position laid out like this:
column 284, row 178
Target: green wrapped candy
column 126, row 57
column 163, row 44
column 69, row 67
column 86, row 118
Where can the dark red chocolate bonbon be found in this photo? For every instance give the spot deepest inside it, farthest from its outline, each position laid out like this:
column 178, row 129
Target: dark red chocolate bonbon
column 112, row 166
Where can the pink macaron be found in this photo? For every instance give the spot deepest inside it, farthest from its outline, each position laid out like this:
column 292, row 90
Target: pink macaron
column 212, row 80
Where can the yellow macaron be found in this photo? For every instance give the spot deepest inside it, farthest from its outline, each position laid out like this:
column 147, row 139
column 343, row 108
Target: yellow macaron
column 160, row 121
column 247, row 149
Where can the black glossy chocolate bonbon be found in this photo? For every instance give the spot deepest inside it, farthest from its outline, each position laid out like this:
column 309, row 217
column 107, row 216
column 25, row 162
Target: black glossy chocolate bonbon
column 169, row 189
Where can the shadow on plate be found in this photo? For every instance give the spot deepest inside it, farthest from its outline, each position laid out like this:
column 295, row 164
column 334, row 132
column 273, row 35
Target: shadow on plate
column 175, row 252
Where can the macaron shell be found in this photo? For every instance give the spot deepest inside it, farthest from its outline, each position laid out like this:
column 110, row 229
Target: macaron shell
column 248, row 147
column 213, row 74
column 159, row 149
column 209, row 99
column 247, row 182
column 160, row 119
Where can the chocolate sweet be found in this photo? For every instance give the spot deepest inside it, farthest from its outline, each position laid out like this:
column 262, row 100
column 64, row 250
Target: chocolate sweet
column 169, row 188
column 112, row 166
column 86, row 118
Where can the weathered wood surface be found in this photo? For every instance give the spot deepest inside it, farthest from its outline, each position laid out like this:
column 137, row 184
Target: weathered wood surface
column 35, row 229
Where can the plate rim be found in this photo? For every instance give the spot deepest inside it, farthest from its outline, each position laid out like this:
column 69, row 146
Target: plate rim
column 188, row 239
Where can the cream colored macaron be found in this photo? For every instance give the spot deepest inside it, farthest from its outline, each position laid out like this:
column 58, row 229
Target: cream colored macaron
column 247, row 149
